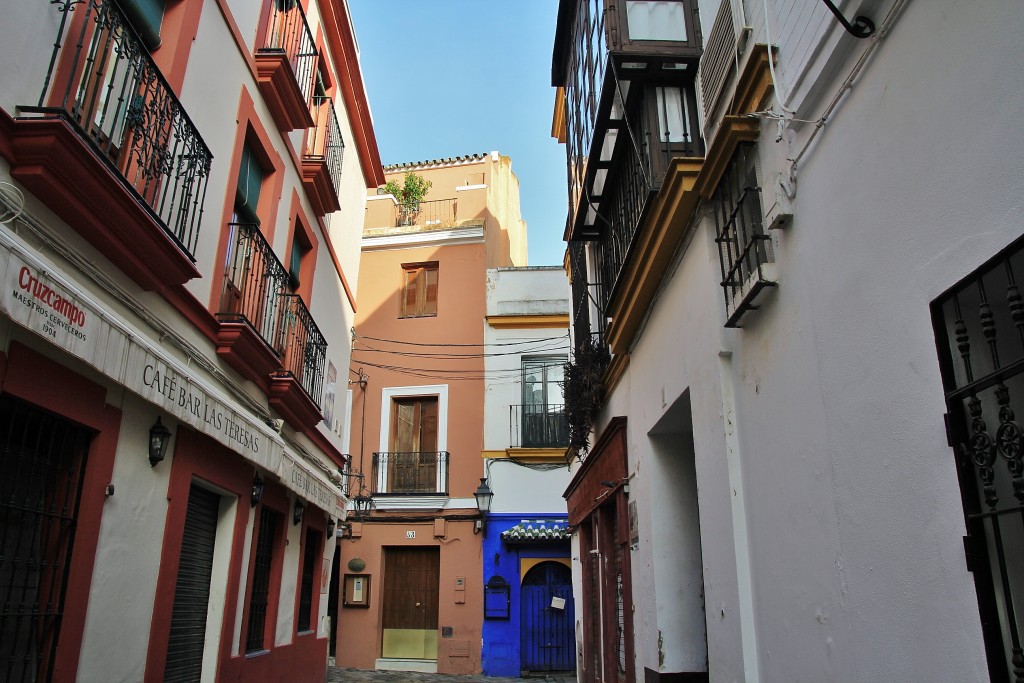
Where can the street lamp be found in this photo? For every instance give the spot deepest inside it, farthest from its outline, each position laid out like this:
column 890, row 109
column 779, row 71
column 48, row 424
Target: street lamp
column 363, row 505
column 483, row 495
column 159, row 437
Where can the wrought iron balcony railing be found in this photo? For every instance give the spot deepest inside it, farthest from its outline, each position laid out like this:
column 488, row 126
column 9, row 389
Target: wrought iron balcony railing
column 325, row 143
column 102, row 80
column 288, row 32
column 302, row 347
column 417, row 472
column 254, row 282
column 538, row 426
column 437, row 212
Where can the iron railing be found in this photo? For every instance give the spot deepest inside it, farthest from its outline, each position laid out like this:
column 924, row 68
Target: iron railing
column 325, row 143
column 254, row 281
column 628, row 193
column 41, row 473
column 422, row 472
column 302, row 347
column 435, row 212
column 102, row 80
column 538, row 426
column 288, row 32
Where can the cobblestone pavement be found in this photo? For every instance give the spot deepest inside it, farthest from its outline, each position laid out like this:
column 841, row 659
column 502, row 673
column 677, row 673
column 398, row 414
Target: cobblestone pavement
column 342, row 675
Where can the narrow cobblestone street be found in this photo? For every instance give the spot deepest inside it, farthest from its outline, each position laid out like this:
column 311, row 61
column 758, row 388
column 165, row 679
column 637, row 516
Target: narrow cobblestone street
column 343, row 675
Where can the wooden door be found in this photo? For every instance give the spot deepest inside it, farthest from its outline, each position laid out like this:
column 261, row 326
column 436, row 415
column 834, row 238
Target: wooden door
column 409, row 617
column 546, row 609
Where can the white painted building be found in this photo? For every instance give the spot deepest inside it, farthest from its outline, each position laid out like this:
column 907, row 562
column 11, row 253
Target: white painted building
column 785, row 504
column 182, row 188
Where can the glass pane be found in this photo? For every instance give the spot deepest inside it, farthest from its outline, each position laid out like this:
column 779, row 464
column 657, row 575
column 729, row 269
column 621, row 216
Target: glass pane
column 656, row 20
column 672, row 115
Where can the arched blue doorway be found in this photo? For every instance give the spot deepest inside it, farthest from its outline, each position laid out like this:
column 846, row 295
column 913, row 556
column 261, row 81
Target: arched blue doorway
column 546, row 618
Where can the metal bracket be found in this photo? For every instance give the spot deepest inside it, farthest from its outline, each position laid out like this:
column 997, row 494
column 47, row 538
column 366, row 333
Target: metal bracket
column 862, row 27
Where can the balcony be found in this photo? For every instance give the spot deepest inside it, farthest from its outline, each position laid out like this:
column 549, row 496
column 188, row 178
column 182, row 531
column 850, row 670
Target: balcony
column 296, row 388
column 321, row 160
column 286, row 65
column 538, row 426
column 251, row 303
column 385, row 216
column 410, row 474
column 111, row 150
column 266, row 332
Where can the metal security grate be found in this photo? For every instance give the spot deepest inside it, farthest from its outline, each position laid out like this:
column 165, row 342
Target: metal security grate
column 192, row 589
column 42, row 457
column 309, row 557
column 979, row 330
column 259, row 598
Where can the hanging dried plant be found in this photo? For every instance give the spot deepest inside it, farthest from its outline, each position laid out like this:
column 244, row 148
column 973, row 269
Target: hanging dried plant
column 584, row 391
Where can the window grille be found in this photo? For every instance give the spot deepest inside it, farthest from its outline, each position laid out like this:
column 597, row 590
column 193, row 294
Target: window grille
column 259, row 598
column 744, row 250
column 42, row 458
column 309, row 558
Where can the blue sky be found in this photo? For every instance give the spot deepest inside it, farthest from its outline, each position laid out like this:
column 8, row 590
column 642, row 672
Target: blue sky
column 454, row 77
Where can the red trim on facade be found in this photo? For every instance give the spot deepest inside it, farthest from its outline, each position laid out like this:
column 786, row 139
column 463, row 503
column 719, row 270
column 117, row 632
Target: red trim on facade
column 244, row 350
column 181, row 23
column 197, row 456
column 340, row 36
column 250, row 128
column 236, row 33
column 606, row 462
column 32, row 377
column 54, row 163
column 316, row 180
column 281, row 92
column 276, row 499
column 193, row 310
column 299, row 226
column 292, row 403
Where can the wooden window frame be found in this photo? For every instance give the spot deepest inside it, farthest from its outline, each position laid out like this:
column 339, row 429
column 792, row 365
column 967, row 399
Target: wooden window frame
column 421, row 305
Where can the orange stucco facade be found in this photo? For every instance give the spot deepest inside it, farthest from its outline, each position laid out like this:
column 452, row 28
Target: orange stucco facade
column 468, row 222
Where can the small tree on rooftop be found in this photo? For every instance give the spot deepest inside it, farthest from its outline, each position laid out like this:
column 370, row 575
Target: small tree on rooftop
column 409, row 194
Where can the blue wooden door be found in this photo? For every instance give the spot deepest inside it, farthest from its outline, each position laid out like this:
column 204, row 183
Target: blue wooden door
column 546, row 611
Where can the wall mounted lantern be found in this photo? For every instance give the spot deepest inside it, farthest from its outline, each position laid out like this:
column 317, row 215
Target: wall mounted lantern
column 159, row 437
column 298, row 511
column 483, row 495
column 363, row 506
column 257, row 490
column 330, row 527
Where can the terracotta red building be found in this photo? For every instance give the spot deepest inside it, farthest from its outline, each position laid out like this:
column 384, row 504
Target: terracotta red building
column 418, row 413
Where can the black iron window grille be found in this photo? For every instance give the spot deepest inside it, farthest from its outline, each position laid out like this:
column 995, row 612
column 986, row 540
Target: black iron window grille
column 309, row 560
column 744, row 250
column 106, row 85
column 288, row 32
column 302, row 346
column 418, row 472
column 979, row 330
column 259, row 595
column 42, row 459
column 254, row 281
column 325, row 142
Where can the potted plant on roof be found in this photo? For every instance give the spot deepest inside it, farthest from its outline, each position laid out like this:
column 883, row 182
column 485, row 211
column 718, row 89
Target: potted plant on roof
column 409, row 194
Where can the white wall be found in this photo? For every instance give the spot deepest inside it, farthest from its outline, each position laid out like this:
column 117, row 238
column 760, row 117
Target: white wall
column 831, row 524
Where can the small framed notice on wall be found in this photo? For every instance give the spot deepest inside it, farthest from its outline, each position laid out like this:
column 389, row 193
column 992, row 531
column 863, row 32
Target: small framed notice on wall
column 357, row 590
